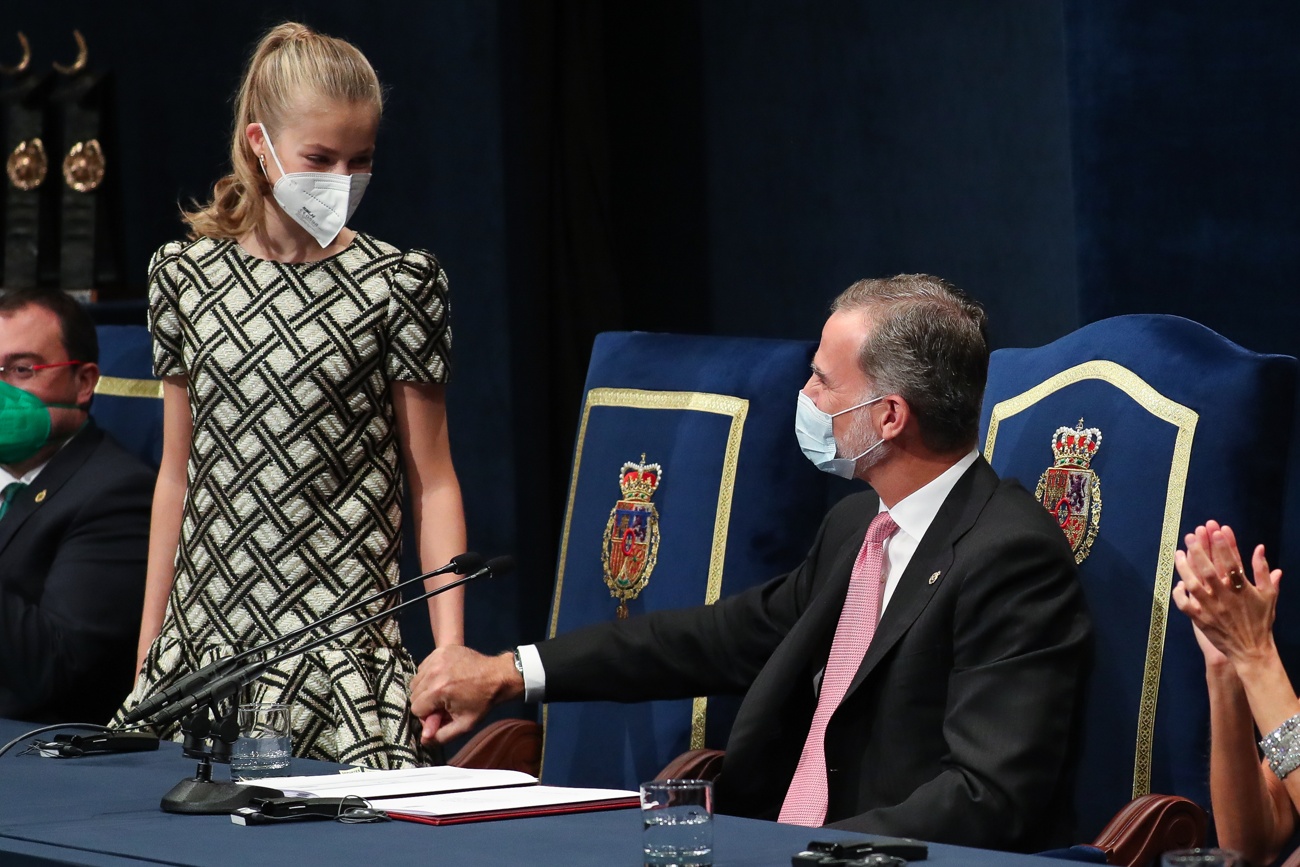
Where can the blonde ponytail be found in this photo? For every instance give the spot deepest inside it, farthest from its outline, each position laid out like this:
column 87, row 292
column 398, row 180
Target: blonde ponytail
column 291, row 63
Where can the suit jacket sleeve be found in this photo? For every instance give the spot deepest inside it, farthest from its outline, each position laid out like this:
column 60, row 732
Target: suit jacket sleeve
column 705, row 650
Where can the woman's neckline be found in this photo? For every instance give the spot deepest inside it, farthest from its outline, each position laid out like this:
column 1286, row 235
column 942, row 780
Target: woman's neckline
column 243, row 251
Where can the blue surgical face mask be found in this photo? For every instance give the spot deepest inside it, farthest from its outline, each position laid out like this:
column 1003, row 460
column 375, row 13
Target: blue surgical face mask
column 816, row 434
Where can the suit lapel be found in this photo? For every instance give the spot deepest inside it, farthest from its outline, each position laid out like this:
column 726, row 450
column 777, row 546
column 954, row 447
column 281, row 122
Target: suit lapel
column 933, row 556
column 62, row 466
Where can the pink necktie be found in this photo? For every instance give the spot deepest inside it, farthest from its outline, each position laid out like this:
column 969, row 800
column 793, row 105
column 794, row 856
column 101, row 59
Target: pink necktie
column 805, row 803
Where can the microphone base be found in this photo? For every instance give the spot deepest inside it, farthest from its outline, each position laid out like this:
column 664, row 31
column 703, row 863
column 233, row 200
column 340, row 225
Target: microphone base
column 205, row 797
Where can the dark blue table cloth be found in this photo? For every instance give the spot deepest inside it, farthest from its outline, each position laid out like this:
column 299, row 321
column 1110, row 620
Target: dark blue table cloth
column 104, row 811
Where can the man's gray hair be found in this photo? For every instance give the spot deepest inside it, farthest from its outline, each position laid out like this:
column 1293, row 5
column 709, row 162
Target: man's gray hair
column 928, row 344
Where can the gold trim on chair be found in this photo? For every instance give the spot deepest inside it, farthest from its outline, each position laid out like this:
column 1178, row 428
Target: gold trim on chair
column 120, row 386
column 735, row 407
column 1184, row 419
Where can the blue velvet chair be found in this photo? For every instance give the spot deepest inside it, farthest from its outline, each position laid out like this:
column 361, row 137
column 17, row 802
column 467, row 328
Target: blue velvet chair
column 1132, row 431
column 732, row 503
column 128, row 399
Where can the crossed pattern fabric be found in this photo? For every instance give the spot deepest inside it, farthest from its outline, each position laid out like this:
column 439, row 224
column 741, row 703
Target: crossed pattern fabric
column 293, row 504
column 805, row 803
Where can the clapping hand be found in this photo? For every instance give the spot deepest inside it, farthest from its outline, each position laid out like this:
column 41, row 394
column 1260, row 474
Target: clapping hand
column 1233, row 615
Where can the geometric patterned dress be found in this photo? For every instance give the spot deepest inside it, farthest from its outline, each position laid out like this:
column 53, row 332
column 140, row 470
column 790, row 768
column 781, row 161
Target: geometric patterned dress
column 293, row 501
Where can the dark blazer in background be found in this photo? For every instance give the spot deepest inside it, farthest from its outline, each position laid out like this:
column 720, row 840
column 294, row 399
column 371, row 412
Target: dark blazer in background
column 73, row 548
column 960, row 724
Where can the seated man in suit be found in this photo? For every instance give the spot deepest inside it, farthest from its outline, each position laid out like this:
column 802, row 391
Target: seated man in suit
column 74, row 522
column 920, row 672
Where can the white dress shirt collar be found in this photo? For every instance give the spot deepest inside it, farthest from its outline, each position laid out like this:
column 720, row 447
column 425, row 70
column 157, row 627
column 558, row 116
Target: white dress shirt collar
column 26, row 478
column 914, row 514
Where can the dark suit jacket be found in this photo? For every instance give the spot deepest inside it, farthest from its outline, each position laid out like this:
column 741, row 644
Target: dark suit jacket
column 959, row 725
column 73, row 548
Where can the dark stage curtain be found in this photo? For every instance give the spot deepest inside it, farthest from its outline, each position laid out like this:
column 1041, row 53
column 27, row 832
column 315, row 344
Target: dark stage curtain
column 603, row 214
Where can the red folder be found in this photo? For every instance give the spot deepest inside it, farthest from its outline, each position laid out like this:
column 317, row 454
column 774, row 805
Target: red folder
column 518, row 813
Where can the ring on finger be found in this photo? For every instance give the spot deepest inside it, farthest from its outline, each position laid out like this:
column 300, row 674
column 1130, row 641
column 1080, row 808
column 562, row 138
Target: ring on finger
column 1237, row 578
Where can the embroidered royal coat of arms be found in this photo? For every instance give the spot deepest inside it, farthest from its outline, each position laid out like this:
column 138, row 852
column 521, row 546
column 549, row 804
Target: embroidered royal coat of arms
column 632, row 534
column 1071, row 490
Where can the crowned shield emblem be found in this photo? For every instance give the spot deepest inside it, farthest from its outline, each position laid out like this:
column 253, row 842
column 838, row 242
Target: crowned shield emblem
column 632, row 534
column 1071, row 490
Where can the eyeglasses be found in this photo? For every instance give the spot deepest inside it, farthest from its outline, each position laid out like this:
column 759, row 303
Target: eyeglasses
column 24, row 372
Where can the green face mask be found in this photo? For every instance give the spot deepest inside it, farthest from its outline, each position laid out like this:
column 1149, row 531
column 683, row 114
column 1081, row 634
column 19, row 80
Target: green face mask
column 24, row 423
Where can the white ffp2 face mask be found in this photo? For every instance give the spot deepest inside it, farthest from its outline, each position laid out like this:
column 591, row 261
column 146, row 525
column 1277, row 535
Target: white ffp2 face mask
column 320, row 202
column 816, row 435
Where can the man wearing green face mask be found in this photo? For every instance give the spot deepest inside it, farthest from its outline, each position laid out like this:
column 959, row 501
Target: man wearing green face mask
column 74, row 522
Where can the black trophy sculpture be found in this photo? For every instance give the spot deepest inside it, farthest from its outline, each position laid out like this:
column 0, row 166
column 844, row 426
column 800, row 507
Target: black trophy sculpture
column 79, row 103
column 23, row 94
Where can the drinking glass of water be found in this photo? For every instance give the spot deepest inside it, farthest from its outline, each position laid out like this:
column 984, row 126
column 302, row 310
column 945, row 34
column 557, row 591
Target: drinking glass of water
column 264, row 744
column 677, row 818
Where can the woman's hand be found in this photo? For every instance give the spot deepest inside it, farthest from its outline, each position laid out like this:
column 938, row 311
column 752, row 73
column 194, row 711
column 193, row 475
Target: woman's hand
column 1215, row 660
column 1232, row 613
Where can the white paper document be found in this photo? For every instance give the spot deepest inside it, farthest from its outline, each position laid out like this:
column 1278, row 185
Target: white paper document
column 390, row 784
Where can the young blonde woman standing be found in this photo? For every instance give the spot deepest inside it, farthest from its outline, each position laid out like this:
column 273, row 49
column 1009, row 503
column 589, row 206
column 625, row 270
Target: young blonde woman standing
column 303, row 367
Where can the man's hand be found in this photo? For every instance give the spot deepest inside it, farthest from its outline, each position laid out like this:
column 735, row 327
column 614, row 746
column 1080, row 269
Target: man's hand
column 456, row 686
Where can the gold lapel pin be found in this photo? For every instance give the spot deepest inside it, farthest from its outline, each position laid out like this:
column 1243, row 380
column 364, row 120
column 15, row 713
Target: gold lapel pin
column 935, row 577
column 40, row 498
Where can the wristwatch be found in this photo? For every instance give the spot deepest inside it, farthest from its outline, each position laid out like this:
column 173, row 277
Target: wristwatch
column 519, row 662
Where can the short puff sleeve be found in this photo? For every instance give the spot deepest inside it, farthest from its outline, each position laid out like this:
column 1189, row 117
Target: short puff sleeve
column 164, row 310
column 419, row 328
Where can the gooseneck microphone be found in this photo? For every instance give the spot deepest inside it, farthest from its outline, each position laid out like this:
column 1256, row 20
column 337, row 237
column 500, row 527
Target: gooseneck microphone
column 461, row 564
column 225, row 685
